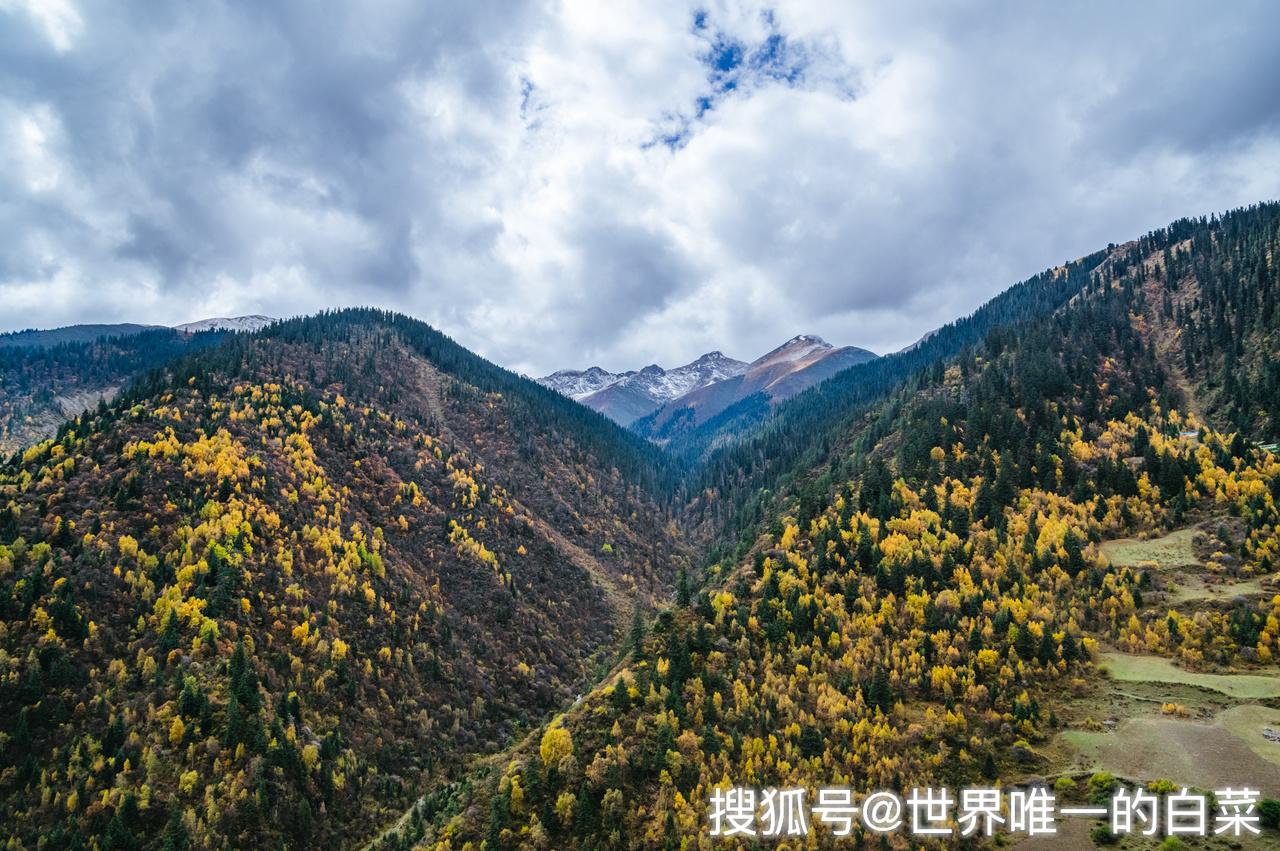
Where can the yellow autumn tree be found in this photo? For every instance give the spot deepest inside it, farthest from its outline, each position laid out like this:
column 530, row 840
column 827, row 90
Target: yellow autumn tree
column 176, row 731
column 556, row 745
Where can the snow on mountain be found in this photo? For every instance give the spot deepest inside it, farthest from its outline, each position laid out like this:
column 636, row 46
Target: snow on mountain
column 253, row 322
column 796, row 365
column 664, row 385
column 626, row 396
column 799, row 348
column 579, row 384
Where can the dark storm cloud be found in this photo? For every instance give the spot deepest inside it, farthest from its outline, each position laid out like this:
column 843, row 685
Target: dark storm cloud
column 571, row 183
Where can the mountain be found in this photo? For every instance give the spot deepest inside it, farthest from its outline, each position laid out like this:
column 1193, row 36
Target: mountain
column 304, row 574
column 1218, row 343
column 252, row 322
column 70, row 334
column 923, row 592
column 90, row 332
column 796, row 365
column 42, row 385
column 48, row 377
column 578, row 384
column 344, row 583
column 660, row 404
column 625, row 397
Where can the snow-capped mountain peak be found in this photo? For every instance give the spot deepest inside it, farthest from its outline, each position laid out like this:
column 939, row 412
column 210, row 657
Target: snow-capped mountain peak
column 643, row 389
column 252, row 322
column 707, row 385
column 713, row 366
column 579, row 384
column 798, row 348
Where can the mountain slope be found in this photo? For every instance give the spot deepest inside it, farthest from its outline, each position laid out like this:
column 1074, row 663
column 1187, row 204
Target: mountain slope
column 796, row 365
column 625, row 397
column 70, row 334
column 749, row 450
column 300, row 574
column 48, row 377
column 923, row 605
column 743, row 451
column 42, row 386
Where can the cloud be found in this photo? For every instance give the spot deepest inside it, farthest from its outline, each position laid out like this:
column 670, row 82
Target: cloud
column 57, row 20
column 572, row 182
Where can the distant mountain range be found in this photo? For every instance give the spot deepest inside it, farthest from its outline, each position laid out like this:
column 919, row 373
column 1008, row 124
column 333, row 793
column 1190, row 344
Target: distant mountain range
column 44, row 338
column 651, row 399
column 49, row 376
column 87, row 333
column 626, row 396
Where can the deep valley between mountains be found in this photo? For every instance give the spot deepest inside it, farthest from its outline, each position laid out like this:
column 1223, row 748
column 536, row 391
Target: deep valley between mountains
column 336, row 581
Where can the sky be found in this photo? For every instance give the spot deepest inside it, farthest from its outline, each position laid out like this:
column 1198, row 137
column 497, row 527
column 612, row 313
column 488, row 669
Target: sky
column 617, row 184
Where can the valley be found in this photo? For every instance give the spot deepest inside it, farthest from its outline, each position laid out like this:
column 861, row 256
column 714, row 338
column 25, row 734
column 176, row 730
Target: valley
column 340, row 581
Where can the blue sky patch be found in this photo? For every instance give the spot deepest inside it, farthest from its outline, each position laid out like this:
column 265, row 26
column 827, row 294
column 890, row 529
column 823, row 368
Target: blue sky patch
column 733, row 65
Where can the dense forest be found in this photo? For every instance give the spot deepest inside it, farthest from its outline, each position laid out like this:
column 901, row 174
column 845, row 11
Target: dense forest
column 343, row 580
column 48, row 377
column 1211, row 284
column 926, row 565
column 281, row 585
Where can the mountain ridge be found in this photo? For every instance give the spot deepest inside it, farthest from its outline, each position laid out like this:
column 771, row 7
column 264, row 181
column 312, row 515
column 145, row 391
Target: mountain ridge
column 90, row 332
column 305, row 539
column 343, row 574
column 626, row 396
column 649, row 399
column 798, row 364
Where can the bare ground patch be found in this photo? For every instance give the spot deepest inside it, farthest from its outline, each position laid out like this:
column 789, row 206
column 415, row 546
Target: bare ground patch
column 1187, row 752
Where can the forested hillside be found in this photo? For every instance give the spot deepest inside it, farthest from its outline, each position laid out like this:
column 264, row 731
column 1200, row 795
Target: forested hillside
column 933, row 589
column 291, row 588
column 1217, row 307
column 47, row 377
column 1208, row 294
column 281, row 586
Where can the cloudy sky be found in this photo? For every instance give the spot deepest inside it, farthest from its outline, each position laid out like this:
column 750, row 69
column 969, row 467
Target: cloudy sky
column 618, row 183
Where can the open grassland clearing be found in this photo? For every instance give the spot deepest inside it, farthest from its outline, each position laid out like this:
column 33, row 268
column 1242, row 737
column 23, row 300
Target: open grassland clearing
column 1073, row 835
column 1188, row 565
column 1128, row 667
column 1188, row 752
column 1188, row 587
column 1176, row 549
column 1153, row 720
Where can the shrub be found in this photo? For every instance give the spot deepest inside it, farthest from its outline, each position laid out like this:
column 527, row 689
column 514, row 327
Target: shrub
column 1102, row 835
column 1269, row 812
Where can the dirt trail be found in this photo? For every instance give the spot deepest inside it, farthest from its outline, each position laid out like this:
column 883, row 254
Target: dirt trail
column 432, row 384
column 1165, row 335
